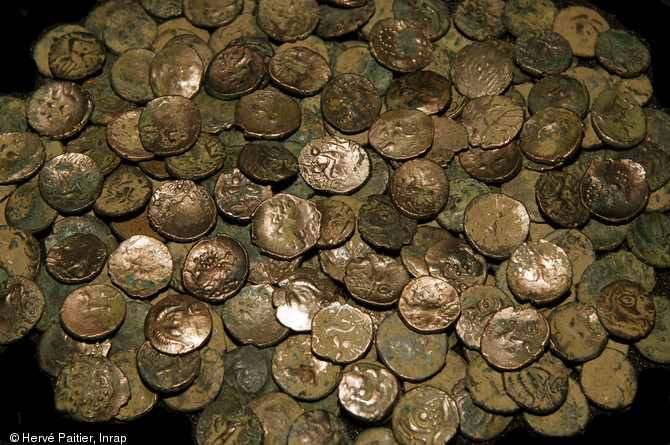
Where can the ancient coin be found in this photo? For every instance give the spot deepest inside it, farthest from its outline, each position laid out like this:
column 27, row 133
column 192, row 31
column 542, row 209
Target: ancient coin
column 481, row 69
column 250, row 317
column 299, row 71
column 128, row 28
column 176, row 70
column 130, row 75
column 413, row 255
column 350, row 103
column 237, row 196
column 76, row 55
column 569, row 420
column 276, row 412
column 618, row 119
column 91, row 388
column 419, row 189
column 19, row 252
column 338, row 222
column 492, row 166
column 215, row 268
column 318, row 427
column 123, row 136
column 132, row 225
column 626, row 310
column 299, row 373
column 301, row 294
column 609, row 381
column 615, row 190
column 559, row 199
column 42, row 46
column 410, row 355
column 647, row 239
column 580, row 26
column 461, row 192
column 422, row 90
column 126, row 190
column 285, row 226
column 474, row 422
column 514, row 338
column 400, row 45
column 71, row 182
column 654, row 345
column 375, row 279
column 182, row 210
column 492, row 121
column 540, row 387
column 142, row 399
column 454, row 261
column 622, row 53
column 335, row 21
column 288, row 21
column 480, row 19
column 266, row 114
column 25, row 209
column 376, row 436
column 334, row 165
column 202, row 160
column 21, row 156
column 21, row 306
column 402, row 134
column 539, row 271
column 478, row 304
column 141, row 266
column 131, row 333
column 431, row 16
column 542, row 52
column 167, row 373
column 76, row 259
column 651, row 156
column 169, row 125
column 576, row 332
column 559, row 91
column 93, row 312
column 212, row 14
column 496, row 224
column 59, row 110
column 106, row 103
column 228, row 421
column 234, row 72
column 521, row 17
column 93, row 142
column 380, row 224
column 425, row 414
column 368, row 391
column 578, row 246
column 429, row 304
column 341, row 333
column 551, row 136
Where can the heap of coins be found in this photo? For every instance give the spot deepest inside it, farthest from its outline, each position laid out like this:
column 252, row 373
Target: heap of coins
column 353, row 221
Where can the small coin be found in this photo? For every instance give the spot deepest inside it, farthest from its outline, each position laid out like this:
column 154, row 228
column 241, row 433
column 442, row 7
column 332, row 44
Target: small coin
column 609, row 381
column 21, row 156
column 176, row 70
column 419, row 189
column 288, row 21
column 618, row 119
column 59, row 110
column 91, row 388
column 266, row 114
column 492, row 166
column 478, row 304
column 237, row 196
column 424, row 412
column 123, row 136
column 234, row 72
column 76, row 259
column 350, row 103
column 481, row 69
column 368, row 391
column 429, row 304
column 126, row 190
column 21, row 306
column 215, row 268
column 568, row 421
column 576, row 332
column 559, row 91
column 615, row 190
column 400, row 45
column 580, row 26
column 341, row 333
column 626, row 310
column 178, row 324
column 76, row 55
column 492, row 121
column 141, row 266
column 514, row 338
column 169, row 125
column 93, row 312
column 384, row 227
column 334, row 165
column 266, row 162
column 202, row 160
column 299, row 71
column 167, row 373
column 551, row 136
column 71, row 182
column 338, row 223
column 622, row 53
column 558, row 197
column 375, row 279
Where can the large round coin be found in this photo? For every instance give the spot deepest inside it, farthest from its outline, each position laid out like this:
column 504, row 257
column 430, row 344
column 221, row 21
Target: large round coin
column 334, row 165
column 425, row 412
column 169, row 125
column 71, row 182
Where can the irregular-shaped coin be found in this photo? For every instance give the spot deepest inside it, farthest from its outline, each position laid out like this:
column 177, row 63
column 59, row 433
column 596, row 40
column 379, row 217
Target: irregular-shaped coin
column 21, row 306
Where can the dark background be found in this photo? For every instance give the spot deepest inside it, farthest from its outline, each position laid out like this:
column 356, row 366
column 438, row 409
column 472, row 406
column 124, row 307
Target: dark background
column 26, row 396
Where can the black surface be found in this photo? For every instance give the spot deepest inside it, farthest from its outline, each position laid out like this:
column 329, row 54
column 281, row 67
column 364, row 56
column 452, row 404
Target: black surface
column 26, row 397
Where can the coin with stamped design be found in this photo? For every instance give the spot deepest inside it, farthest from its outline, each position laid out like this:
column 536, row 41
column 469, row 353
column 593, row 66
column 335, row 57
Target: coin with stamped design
column 429, row 304
column 76, row 259
column 425, row 413
column 368, row 391
column 93, row 312
column 169, row 125
column 334, row 165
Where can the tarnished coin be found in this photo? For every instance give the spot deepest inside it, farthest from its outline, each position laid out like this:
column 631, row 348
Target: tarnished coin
column 429, row 304
column 91, row 388
column 25, row 209
column 59, row 110
column 227, row 421
column 626, row 310
column 559, row 91
column 212, row 14
column 76, row 55
column 568, row 421
column 399, row 45
column 618, row 119
column 580, row 26
column 276, row 412
column 539, row 271
column 341, row 333
column 234, row 72
column 514, row 338
column 496, row 224
column 141, row 266
column 20, row 252
column 492, row 121
column 237, row 196
column 76, row 259
column 478, row 304
column 380, row 224
column 474, row 422
column 215, row 268
column 126, row 190
column 93, row 142
column 425, row 413
column 410, row 355
column 176, row 70
column 267, row 114
column 368, row 391
column 419, row 189
column 338, row 222
column 93, row 312
column 651, row 156
column 558, row 197
column 299, row 71
column 288, row 21
column 178, row 324
column 167, row 373
column 622, row 53
column 21, row 306
column 413, row 254
column 456, row 262
column 375, row 279
column 130, row 75
column 182, row 210
column 647, row 239
column 540, row 387
column 614, row 190
column 318, row 427
column 127, row 28
column 336, row 21
column 350, row 103
column 123, row 136
column 285, row 226
column 301, row 294
column 480, row 19
column 654, row 346
column 425, row 91
column 169, row 125
column 523, row 16
column 461, row 192
column 609, row 381
column 71, row 182
column 402, row 134
column 433, row 17
column 42, row 46
column 481, row 69
column 21, row 156
column 142, row 399
column 542, row 52
column 299, row 373
column 492, row 166
column 576, row 332
column 202, row 160
column 334, row 165
column 266, row 162
column 551, row 136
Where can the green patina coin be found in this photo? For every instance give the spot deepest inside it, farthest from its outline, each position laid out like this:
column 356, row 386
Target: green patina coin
column 622, row 53
column 461, row 192
column 521, row 17
column 167, row 373
column 131, row 333
column 648, row 237
column 376, row 436
column 568, row 421
column 541, row 387
column 476, row 423
column 542, row 52
column 19, row 252
column 216, row 115
column 21, row 307
column 266, row 162
column 384, row 227
column 129, row 76
column 71, row 182
column 212, row 14
column 126, row 190
column 13, row 111
column 559, row 91
column 227, row 421
column 478, row 304
column 128, row 28
column 72, row 225
column 558, row 197
column 480, row 19
column 202, row 160
column 358, row 60
column 486, row 387
column 656, row 345
column 652, row 157
column 576, row 332
column 605, row 236
column 76, row 55
column 431, row 15
column 609, row 381
column 248, row 374
column 336, row 21
column 276, row 412
column 27, row 210
column 425, row 412
column 142, row 399
column 93, row 142
column 454, row 370
column 618, row 119
column 310, row 426
column 22, row 154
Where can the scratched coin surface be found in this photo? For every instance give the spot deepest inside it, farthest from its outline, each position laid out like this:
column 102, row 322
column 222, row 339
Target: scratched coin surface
column 478, row 304
column 540, row 387
column 76, row 259
column 266, row 162
column 59, row 110
column 71, row 182
column 334, row 165
column 21, row 306
column 576, row 332
column 400, row 45
column 267, row 114
column 141, row 266
column 429, row 304
column 375, row 279
column 626, row 310
column 178, row 324
column 368, row 391
column 514, row 337
column 93, row 312
column 169, row 125
column 425, row 414
column 237, row 196
column 21, row 155
column 341, row 333
column 481, row 69
column 558, row 197
column 419, row 189
column 350, row 103
column 167, row 373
